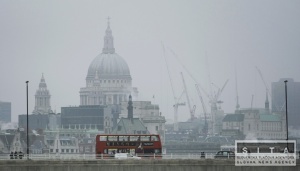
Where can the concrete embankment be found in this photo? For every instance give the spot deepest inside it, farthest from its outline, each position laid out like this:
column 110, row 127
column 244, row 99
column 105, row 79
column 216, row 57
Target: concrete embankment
column 134, row 165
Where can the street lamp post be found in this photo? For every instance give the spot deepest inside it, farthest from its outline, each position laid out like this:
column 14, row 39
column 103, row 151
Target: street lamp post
column 27, row 120
column 286, row 111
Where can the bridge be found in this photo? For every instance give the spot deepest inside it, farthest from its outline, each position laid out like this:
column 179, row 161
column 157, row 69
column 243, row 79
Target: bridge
column 89, row 163
column 134, row 165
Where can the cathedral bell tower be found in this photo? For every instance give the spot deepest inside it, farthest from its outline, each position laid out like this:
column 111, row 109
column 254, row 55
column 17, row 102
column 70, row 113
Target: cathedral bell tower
column 42, row 99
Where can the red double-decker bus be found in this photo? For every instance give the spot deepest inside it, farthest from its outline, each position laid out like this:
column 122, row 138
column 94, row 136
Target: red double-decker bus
column 140, row 145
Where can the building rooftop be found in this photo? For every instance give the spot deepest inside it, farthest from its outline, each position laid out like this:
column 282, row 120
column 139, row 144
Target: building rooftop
column 234, row 118
column 130, row 126
column 270, row 118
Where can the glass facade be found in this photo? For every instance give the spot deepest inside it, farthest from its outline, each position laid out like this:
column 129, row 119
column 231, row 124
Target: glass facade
column 83, row 117
column 293, row 98
column 5, row 111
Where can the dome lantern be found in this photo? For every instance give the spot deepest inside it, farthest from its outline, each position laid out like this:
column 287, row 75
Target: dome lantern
column 108, row 40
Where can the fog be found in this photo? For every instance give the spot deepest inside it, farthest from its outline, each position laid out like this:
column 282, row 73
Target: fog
column 210, row 39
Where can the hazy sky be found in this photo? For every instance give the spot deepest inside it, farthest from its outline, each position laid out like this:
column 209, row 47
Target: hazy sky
column 61, row 38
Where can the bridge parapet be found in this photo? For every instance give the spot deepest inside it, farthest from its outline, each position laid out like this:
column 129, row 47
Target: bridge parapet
column 129, row 165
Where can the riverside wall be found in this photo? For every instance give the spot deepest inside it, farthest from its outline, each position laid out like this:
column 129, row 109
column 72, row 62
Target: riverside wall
column 135, row 165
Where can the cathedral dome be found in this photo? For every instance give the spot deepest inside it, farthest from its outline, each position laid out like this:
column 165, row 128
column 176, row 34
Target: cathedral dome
column 108, row 79
column 108, row 65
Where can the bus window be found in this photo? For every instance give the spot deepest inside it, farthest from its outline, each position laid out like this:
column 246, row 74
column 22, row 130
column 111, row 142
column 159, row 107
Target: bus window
column 132, row 151
column 157, row 150
column 102, row 138
column 134, row 138
column 145, row 138
column 154, row 138
column 112, row 151
column 123, row 138
column 227, row 148
column 123, row 150
column 112, row 138
column 148, row 150
column 105, row 151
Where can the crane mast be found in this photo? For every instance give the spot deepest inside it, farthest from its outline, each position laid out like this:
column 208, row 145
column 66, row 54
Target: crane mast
column 262, row 78
column 192, row 110
column 176, row 101
column 176, row 105
column 205, row 128
column 214, row 100
column 267, row 88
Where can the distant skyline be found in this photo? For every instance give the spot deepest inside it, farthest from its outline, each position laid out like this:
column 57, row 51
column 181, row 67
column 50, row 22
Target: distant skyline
column 210, row 39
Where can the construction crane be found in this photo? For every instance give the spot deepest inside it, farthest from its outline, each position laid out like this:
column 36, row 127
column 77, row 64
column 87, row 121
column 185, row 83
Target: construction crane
column 176, row 100
column 267, row 88
column 188, row 72
column 221, row 90
column 192, row 110
column 213, row 97
column 175, row 106
column 214, row 101
column 262, row 78
column 205, row 128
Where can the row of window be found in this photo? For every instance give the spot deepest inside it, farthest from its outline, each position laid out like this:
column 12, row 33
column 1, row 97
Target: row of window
column 274, row 135
column 129, row 138
column 113, row 81
column 274, row 126
column 43, row 93
column 86, row 149
column 64, row 150
column 131, row 151
column 100, row 100
column 234, row 123
column 42, row 101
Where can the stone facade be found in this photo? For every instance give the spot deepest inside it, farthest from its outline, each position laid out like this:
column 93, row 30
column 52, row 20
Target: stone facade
column 255, row 124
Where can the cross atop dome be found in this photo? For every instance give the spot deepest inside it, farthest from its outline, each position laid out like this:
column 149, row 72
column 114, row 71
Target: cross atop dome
column 108, row 18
